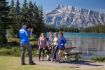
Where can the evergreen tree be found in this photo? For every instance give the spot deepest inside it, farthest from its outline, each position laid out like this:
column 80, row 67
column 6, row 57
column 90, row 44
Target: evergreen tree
column 30, row 13
column 24, row 14
column 41, row 20
column 35, row 17
column 17, row 17
column 38, row 18
column 4, row 9
column 12, row 17
column 12, row 10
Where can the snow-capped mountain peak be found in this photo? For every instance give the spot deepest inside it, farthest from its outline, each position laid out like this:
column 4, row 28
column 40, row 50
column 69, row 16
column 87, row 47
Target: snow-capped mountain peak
column 70, row 16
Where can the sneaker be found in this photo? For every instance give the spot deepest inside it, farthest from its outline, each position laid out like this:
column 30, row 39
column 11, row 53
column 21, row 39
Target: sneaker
column 32, row 63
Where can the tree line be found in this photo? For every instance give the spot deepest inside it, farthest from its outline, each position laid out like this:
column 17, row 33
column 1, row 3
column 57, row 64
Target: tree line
column 4, row 10
column 93, row 29
column 13, row 16
column 29, row 13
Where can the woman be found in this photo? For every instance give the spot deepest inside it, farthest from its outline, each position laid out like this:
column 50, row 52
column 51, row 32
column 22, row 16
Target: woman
column 61, row 45
column 49, row 46
column 42, row 42
column 55, row 41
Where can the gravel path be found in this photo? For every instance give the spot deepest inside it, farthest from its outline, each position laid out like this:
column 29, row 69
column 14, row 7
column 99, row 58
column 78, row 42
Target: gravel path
column 82, row 65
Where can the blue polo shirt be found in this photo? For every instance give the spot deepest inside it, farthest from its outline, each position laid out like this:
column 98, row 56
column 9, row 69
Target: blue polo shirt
column 61, row 42
column 24, row 36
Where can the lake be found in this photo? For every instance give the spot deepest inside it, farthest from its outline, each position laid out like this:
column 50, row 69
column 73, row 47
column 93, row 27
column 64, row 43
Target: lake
column 91, row 44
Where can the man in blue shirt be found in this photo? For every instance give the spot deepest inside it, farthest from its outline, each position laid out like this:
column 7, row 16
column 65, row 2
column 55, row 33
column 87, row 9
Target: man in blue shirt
column 25, row 43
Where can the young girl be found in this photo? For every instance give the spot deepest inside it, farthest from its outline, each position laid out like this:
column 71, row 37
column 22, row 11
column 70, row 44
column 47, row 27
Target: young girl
column 42, row 42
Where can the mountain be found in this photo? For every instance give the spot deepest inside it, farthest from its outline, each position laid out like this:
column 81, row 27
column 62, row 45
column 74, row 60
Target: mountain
column 70, row 16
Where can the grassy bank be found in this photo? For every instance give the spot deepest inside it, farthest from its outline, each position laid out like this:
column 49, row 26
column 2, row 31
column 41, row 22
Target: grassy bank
column 16, row 41
column 12, row 48
column 15, row 51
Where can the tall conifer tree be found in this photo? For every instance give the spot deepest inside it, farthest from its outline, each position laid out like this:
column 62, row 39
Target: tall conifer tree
column 4, row 9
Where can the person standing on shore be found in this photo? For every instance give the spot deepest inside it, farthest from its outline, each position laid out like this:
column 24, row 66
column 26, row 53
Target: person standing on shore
column 25, row 43
column 50, row 46
column 55, row 41
column 42, row 43
column 61, row 45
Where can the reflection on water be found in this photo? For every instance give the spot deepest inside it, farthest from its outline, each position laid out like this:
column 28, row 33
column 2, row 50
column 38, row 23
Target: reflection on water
column 89, row 46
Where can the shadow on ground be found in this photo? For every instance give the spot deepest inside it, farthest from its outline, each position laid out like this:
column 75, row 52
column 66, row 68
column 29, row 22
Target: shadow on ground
column 81, row 62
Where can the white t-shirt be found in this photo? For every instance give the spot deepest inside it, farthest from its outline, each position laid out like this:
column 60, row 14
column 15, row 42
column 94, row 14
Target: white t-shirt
column 55, row 41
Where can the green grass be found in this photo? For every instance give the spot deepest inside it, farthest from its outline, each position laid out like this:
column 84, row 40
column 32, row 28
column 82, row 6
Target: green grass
column 15, row 51
column 16, row 40
column 13, row 63
column 12, row 48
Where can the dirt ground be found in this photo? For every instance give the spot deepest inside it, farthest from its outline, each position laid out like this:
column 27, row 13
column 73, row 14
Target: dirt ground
column 81, row 65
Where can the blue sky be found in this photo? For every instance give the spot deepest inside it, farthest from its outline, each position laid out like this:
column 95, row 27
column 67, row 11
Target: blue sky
column 49, row 5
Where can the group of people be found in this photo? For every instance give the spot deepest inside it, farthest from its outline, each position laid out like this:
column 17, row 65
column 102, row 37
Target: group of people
column 52, row 44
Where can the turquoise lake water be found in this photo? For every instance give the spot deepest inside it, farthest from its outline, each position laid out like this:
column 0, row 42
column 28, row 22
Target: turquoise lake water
column 90, row 44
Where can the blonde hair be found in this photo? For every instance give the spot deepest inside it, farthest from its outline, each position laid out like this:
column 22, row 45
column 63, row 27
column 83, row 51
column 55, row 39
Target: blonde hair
column 42, row 34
